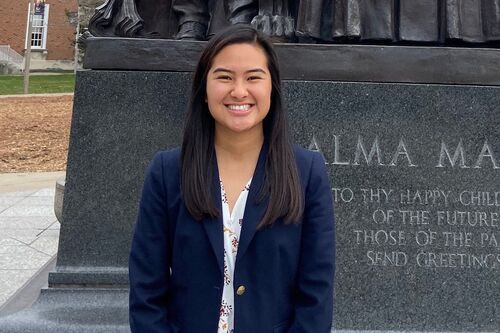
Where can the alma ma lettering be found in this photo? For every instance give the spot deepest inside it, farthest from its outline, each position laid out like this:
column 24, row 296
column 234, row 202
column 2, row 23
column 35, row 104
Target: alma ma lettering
column 401, row 155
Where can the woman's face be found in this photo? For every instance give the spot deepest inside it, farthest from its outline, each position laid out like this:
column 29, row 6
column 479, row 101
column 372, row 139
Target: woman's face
column 239, row 88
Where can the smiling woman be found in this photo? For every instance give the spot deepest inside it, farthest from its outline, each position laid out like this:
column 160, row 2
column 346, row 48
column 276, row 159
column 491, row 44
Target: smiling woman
column 235, row 230
column 239, row 89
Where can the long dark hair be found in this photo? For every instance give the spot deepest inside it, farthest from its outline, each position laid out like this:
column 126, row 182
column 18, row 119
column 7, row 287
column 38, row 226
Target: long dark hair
column 281, row 182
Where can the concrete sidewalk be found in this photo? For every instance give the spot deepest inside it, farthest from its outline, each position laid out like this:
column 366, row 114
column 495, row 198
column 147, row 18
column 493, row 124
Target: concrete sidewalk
column 29, row 235
column 37, row 95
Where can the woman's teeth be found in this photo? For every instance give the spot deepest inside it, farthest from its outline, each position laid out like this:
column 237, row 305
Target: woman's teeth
column 243, row 107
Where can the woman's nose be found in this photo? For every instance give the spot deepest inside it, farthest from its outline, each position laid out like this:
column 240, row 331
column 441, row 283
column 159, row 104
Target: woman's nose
column 239, row 89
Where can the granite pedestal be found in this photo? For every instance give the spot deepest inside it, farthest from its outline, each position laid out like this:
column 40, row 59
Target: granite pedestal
column 415, row 171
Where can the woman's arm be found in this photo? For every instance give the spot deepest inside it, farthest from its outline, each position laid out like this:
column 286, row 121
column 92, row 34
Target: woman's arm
column 149, row 263
column 314, row 290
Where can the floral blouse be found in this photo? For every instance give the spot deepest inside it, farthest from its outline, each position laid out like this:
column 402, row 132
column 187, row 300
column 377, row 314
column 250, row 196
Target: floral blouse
column 232, row 222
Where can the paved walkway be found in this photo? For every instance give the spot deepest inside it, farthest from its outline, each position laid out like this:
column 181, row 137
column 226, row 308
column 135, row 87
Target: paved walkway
column 29, row 230
column 37, row 95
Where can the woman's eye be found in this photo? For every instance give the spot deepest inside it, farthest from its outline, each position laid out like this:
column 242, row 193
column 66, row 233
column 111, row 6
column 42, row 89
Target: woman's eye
column 253, row 78
column 223, row 77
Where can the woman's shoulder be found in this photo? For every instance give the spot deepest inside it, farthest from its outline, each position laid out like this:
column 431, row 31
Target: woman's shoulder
column 310, row 164
column 169, row 156
column 305, row 156
column 167, row 160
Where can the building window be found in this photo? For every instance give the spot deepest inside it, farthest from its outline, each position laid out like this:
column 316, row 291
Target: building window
column 39, row 25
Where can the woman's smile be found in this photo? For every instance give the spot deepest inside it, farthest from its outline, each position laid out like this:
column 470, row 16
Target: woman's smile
column 239, row 109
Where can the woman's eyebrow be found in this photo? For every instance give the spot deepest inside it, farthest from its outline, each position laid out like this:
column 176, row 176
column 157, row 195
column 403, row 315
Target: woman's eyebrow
column 256, row 70
column 220, row 69
column 225, row 70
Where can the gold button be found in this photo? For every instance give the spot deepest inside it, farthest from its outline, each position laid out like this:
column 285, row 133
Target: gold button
column 240, row 291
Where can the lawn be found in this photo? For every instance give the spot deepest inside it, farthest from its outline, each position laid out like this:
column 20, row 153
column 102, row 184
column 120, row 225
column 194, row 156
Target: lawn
column 39, row 84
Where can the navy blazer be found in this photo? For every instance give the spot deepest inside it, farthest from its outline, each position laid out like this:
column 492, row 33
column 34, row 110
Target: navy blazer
column 176, row 262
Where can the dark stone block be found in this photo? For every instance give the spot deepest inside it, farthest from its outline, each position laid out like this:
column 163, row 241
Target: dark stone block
column 403, row 262
column 119, row 120
column 365, row 63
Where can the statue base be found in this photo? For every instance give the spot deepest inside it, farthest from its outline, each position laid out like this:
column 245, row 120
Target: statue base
column 312, row 62
column 128, row 107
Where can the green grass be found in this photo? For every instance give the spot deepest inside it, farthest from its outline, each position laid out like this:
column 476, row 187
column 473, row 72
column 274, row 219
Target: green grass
column 39, row 84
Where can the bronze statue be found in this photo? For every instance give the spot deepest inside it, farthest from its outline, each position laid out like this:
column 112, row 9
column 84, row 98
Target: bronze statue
column 193, row 18
column 116, row 18
column 311, row 21
column 403, row 21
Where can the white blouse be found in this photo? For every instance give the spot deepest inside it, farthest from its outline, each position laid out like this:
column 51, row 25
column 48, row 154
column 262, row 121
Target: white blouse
column 232, row 228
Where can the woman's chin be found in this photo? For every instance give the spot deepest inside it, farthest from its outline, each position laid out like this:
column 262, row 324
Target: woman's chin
column 243, row 128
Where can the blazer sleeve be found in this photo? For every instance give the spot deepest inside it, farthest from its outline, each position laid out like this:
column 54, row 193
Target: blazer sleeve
column 149, row 262
column 314, row 290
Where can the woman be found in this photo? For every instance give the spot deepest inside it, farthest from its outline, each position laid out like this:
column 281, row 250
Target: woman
column 210, row 257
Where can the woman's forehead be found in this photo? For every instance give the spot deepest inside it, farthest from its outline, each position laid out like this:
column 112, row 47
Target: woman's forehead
column 240, row 57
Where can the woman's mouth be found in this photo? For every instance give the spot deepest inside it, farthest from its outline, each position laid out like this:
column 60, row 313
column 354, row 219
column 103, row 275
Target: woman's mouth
column 239, row 107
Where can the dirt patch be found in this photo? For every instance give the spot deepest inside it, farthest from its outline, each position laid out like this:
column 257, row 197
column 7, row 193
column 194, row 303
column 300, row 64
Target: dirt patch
column 34, row 133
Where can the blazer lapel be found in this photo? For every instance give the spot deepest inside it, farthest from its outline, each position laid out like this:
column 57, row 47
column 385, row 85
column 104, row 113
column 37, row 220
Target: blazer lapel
column 254, row 211
column 213, row 226
column 254, row 208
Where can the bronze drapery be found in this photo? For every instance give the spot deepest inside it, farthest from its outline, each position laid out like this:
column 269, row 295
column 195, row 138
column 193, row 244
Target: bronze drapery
column 330, row 21
column 435, row 21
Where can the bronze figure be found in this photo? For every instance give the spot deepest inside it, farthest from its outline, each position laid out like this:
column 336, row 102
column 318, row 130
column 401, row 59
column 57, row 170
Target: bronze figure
column 439, row 22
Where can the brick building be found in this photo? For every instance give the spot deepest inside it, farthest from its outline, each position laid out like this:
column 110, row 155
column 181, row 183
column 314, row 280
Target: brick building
column 53, row 36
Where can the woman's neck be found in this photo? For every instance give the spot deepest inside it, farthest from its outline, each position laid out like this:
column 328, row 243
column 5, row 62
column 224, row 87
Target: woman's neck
column 238, row 146
column 237, row 156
